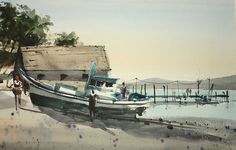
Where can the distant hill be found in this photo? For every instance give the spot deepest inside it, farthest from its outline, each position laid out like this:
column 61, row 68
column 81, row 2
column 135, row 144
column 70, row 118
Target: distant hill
column 228, row 82
column 221, row 83
column 156, row 80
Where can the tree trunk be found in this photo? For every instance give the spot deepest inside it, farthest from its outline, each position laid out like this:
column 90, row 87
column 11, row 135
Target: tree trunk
column 13, row 46
column 18, row 59
column 4, row 46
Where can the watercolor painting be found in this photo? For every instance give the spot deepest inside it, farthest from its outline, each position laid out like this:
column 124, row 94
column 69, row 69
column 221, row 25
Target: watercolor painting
column 118, row 74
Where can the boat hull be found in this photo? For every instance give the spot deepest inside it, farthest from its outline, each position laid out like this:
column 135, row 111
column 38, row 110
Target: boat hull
column 47, row 96
column 68, row 103
column 70, row 106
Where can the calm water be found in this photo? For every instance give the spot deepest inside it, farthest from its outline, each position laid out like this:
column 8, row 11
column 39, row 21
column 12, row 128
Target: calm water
column 222, row 111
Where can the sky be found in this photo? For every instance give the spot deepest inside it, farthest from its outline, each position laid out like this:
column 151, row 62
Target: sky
column 170, row 39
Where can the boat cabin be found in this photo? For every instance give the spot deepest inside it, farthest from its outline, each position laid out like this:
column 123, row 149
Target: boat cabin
column 99, row 81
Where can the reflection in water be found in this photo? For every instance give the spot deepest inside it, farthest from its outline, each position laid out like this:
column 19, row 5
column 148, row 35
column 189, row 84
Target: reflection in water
column 187, row 108
column 220, row 111
column 227, row 105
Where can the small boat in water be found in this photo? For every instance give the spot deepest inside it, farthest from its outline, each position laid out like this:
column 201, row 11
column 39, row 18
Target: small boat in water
column 67, row 98
column 203, row 99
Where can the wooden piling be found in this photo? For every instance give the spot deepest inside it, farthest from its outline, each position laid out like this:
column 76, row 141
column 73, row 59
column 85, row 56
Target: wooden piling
column 167, row 92
column 178, row 87
column 154, row 93
column 227, row 95
column 174, row 96
column 223, row 95
column 141, row 91
column 209, row 86
column 215, row 95
column 145, row 90
column 164, row 90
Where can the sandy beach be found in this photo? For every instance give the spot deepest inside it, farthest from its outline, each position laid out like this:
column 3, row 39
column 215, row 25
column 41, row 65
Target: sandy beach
column 44, row 128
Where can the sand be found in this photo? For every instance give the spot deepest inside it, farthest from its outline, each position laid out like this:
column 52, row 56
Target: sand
column 44, row 128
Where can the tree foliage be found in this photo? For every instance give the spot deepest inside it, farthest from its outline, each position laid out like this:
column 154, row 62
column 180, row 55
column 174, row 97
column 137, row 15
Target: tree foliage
column 8, row 23
column 67, row 40
column 21, row 26
column 6, row 59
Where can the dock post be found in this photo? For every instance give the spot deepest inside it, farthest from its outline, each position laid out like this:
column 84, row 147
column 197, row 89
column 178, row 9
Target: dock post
column 198, row 86
column 227, row 95
column 145, row 92
column 154, row 93
column 167, row 92
column 141, row 91
column 164, row 90
column 178, row 87
column 174, row 97
column 209, row 86
column 215, row 95
column 223, row 96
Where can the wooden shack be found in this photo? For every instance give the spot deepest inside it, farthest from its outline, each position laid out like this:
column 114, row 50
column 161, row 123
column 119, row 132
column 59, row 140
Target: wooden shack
column 64, row 63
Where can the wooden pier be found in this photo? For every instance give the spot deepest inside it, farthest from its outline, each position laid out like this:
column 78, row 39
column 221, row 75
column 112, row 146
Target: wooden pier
column 182, row 97
column 185, row 95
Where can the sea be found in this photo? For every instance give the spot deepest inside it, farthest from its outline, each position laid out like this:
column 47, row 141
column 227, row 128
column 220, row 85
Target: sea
column 223, row 110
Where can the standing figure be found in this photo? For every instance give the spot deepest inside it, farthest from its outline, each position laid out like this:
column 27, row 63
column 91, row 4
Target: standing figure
column 17, row 90
column 123, row 90
column 92, row 103
column 190, row 92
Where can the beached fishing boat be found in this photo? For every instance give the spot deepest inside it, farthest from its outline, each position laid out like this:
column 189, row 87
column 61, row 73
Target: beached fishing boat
column 66, row 98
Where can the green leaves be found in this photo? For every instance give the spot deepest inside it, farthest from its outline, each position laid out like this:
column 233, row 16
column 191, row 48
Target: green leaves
column 6, row 58
column 20, row 24
column 33, row 27
column 67, row 40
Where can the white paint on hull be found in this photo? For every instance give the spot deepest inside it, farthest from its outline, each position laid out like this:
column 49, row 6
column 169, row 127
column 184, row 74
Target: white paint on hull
column 100, row 103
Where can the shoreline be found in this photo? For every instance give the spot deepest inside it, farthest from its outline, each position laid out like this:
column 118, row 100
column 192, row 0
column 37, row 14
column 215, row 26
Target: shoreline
column 52, row 129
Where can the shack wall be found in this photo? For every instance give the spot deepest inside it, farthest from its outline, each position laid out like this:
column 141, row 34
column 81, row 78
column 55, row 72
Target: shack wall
column 71, row 63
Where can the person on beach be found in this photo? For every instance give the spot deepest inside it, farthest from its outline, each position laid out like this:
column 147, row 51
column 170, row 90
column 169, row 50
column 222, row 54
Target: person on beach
column 123, row 90
column 17, row 90
column 92, row 103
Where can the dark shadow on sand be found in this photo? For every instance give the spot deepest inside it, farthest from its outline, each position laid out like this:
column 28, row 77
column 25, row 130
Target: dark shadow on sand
column 132, row 127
